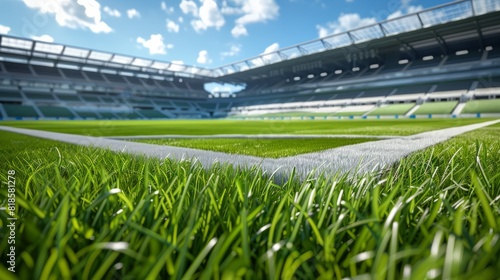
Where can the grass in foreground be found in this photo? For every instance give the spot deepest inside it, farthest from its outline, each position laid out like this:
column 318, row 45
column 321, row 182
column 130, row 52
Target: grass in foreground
column 210, row 127
column 86, row 213
column 272, row 148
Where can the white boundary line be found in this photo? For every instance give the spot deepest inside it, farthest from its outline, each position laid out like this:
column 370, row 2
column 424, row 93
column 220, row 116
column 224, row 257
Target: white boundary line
column 362, row 157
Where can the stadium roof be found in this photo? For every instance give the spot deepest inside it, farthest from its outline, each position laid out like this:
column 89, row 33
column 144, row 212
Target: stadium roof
column 31, row 51
column 454, row 11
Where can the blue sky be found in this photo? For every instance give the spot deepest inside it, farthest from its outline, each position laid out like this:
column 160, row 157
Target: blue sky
column 206, row 33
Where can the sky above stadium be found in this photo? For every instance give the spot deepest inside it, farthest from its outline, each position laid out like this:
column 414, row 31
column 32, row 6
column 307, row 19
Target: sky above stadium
column 205, row 33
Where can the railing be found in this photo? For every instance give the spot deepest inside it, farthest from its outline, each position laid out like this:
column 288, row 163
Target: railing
column 434, row 16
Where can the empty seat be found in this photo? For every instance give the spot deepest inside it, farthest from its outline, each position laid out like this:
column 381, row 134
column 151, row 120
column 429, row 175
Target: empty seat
column 436, row 108
column 69, row 98
column 56, row 112
column 87, row 114
column 15, row 111
column 152, row 114
column 393, row 109
column 482, row 106
column 39, row 96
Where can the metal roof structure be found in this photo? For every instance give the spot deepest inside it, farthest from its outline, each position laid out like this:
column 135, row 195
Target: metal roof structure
column 58, row 55
column 51, row 54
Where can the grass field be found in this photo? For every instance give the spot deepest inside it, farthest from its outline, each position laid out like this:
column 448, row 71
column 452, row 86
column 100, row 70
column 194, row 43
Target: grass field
column 273, row 148
column 210, row 127
column 88, row 213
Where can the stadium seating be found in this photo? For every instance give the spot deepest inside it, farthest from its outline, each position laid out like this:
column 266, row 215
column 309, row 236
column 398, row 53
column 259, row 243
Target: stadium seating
column 482, row 106
column 87, row 114
column 354, row 110
column 436, row 108
column 20, row 111
column 55, row 112
column 393, row 109
column 151, row 114
column 69, row 98
column 39, row 96
column 10, row 95
column 452, row 70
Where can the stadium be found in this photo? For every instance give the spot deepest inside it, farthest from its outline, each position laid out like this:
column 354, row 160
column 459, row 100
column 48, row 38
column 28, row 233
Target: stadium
column 367, row 154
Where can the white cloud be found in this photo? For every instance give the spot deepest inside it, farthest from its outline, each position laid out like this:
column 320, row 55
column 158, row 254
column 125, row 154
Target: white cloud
column 44, row 38
column 154, row 44
column 180, row 19
column 209, row 15
column 203, row 57
column 269, row 55
column 405, row 10
column 189, row 7
column 172, row 26
column 4, row 29
column 84, row 14
column 239, row 30
column 233, row 51
column 112, row 12
column 133, row 13
column 345, row 22
column 165, row 8
column 251, row 11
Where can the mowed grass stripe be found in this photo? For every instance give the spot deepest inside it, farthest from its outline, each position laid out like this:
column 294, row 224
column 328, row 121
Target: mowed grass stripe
column 399, row 127
column 270, row 148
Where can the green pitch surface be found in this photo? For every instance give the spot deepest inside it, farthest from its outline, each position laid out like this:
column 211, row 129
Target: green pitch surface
column 273, row 148
column 211, row 127
column 86, row 213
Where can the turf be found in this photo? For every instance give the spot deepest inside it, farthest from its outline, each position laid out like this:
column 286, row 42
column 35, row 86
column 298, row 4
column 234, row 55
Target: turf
column 273, row 148
column 210, row 127
column 85, row 212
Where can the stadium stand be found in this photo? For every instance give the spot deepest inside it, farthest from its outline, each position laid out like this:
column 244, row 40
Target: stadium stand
column 444, row 60
column 393, row 109
column 20, row 111
column 436, row 108
column 482, row 106
column 56, row 112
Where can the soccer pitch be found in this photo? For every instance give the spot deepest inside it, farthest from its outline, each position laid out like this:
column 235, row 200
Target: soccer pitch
column 84, row 212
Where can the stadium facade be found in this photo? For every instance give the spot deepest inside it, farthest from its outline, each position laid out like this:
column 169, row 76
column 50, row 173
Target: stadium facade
column 444, row 60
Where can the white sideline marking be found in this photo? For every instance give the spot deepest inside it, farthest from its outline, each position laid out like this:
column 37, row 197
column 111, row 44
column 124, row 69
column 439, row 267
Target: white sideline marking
column 360, row 158
column 250, row 136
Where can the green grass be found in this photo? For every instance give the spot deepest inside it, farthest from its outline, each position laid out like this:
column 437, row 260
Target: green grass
column 436, row 108
column 393, row 109
column 482, row 106
column 273, row 148
column 210, row 127
column 84, row 212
